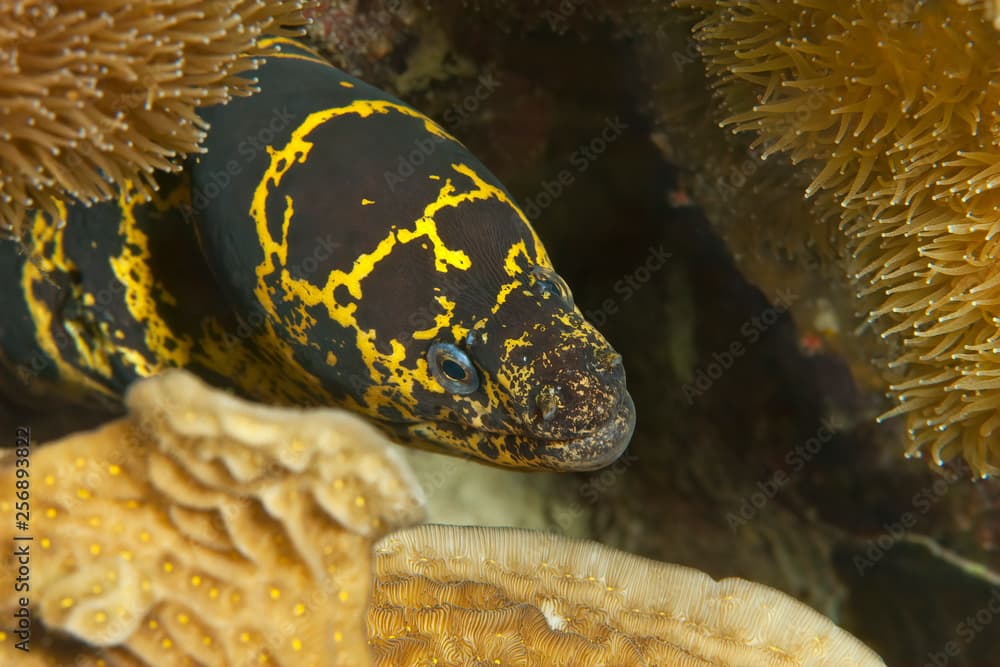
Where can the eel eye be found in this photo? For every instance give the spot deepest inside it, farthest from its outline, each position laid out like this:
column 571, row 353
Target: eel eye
column 546, row 281
column 452, row 368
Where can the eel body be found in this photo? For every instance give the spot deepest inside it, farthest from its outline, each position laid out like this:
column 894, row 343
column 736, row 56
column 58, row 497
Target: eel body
column 331, row 246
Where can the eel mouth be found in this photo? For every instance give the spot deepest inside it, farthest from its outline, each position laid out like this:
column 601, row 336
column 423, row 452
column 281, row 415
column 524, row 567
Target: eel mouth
column 596, row 448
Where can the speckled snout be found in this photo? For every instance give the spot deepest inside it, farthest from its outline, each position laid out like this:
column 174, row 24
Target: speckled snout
column 581, row 402
column 577, row 399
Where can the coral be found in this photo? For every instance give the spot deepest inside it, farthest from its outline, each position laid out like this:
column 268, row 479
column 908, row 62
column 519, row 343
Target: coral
column 94, row 94
column 893, row 109
column 470, row 595
column 204, row 528
column 990, row 7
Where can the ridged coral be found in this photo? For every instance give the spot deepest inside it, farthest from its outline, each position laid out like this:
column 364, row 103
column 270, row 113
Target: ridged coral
column 207, row 530
column 469, row 595
column 204, row 529
column 893, row 108
column 93, row 94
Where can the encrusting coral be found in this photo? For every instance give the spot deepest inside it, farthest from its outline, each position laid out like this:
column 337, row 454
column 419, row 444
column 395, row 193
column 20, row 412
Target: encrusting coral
column 893, row 109
column 469, row 595
column 94, row 94
column 205, row 529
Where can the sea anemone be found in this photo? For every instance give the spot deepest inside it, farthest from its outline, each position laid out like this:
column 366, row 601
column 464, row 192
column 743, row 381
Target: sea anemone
column 893, row 109
column 96, row 94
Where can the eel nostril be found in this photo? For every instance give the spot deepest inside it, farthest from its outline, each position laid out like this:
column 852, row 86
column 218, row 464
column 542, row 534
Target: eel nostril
column 606, row 361
column 547, row 402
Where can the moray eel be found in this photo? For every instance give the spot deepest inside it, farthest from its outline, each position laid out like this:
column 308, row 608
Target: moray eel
column 331, row 246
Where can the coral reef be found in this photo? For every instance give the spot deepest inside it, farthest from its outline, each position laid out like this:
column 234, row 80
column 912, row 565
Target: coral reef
column 555, row 73
column 96, row 94
column 464, row 595
column 204, row 528
column 892, row 108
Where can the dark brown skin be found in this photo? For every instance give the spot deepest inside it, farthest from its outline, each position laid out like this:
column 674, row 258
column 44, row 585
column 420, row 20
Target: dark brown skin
column 369, row 261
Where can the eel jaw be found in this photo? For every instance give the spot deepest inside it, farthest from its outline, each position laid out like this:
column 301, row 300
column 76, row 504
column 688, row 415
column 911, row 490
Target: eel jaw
column 598, row 448
column 594, row 449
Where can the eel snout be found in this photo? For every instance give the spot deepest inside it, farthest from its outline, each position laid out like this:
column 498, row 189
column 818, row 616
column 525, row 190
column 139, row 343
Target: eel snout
column 582, row 407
